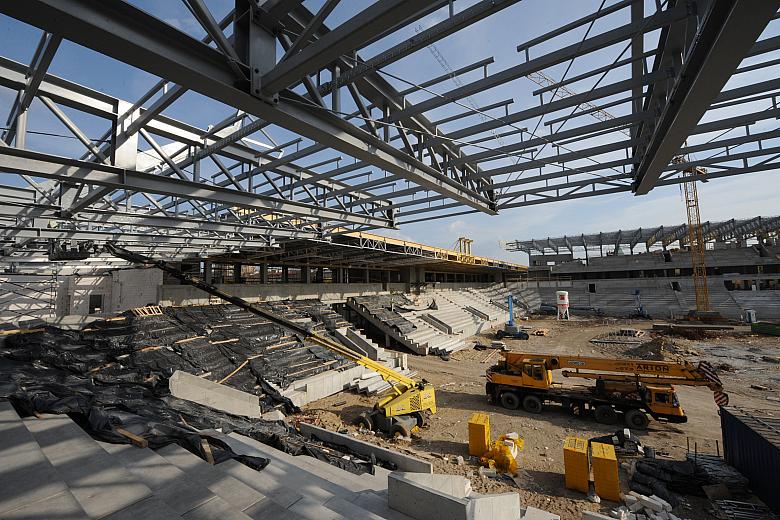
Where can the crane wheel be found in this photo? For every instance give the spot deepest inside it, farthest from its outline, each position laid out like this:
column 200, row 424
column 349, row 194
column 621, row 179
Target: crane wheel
column 532, row 404
column 510, row 401
column 636, row 419
column 364, row 421
column 605, row 414
column 399, row 430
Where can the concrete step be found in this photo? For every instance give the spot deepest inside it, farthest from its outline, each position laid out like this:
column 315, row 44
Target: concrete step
column 319, row 468
column 30, row 487
column 173, row 486
column 226, row 487
column 371, row 501
column 103, row 488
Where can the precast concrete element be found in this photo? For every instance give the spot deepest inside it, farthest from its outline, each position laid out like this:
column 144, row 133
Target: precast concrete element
column 447, row 497
column 322, row 385
column 402, row 462
column 216, row 396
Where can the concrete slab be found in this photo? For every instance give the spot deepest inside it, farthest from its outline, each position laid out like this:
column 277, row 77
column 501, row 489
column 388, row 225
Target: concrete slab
column 378, row 505
column 27, row 476
column 349, row 509
column 169, row 483
column 421, row 502
column 312, row 509
column 235, row 492
column 402, row 462
column 151, row 508
column 532, row 513
column 592, row 515
column 502, row 506
column 85, row 467
column 216, row 396
column 216, row 508
column 453, row 485
column 268, row 508
column 61, row 506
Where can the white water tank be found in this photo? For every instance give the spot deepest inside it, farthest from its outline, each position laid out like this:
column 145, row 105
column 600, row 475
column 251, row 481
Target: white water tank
column 562, row 299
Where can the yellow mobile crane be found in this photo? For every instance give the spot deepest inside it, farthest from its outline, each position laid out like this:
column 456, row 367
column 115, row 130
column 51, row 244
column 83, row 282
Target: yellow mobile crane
column 634, row 388
column 399, row 413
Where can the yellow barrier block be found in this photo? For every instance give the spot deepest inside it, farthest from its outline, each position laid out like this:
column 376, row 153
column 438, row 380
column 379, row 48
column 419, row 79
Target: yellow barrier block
column 605, row 471
column 479, row 434
column 575, row 462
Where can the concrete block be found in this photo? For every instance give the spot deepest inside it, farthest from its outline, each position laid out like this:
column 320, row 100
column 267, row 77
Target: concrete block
column 666, row 505
column 532, row 513
column 502, row 506
column 421, row 502
column 592, row 515
column 453, row 485
column 402, row 462
column 650, row 503
column 216, row 396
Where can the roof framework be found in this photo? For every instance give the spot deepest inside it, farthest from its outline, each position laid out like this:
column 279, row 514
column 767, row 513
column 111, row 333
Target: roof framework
column 650, row 238
column 357, row 148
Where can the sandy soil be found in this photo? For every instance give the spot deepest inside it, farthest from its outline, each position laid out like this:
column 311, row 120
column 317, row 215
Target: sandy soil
column 460, row 391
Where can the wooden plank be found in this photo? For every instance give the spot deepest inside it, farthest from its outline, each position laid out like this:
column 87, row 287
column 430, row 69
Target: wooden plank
column 223, row 341
column 234, row 372
column 207, row 451
column 187, row 340
column 136, row 440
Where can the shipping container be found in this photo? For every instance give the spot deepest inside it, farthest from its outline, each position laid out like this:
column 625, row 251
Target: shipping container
column 751, row 443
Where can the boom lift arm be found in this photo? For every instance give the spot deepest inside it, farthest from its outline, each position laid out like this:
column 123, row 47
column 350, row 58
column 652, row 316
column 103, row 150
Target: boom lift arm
column 410, row 398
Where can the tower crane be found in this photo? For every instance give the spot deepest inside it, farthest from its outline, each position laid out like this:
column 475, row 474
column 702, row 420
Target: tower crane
column 695, row 234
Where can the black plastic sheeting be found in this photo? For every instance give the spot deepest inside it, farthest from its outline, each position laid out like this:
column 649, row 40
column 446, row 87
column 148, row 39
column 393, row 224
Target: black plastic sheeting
column 211, row 340
column 105, row 381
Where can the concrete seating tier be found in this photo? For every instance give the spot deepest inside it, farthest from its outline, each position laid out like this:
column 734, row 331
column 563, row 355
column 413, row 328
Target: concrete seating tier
column 53, row 469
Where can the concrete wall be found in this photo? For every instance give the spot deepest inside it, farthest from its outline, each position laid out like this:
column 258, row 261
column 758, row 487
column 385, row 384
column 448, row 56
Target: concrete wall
column 120, row 290
column 50, row 299
column 327, row 292
column 657, row 295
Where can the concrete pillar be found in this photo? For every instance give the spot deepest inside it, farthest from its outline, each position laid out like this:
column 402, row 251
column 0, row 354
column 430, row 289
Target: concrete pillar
column 236, row 273
column 285, row 274
column 264, row 273
column 320, row 277
column 306, row 271
column 207, row 271
column 368, row 275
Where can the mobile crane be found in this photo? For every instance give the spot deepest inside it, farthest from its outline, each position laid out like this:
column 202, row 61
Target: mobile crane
column 399, row 413
column 633, row 388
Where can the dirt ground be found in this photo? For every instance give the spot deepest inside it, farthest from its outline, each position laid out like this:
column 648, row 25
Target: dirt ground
column 743, row 359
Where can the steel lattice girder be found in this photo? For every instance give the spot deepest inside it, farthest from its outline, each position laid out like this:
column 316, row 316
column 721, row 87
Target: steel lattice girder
column 649, row 237
column 711, row 33
column 128, row 34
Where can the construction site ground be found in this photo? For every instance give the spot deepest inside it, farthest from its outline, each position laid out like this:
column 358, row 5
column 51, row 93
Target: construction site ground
column 749, row 367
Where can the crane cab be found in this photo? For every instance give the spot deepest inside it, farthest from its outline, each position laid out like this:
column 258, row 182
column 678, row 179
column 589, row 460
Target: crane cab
column 535, row 374
column 662, row 401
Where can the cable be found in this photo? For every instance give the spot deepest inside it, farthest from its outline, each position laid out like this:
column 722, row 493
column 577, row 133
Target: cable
column 51, row 134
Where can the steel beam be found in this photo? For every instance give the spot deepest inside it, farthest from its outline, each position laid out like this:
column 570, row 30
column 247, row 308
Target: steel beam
column 365, row 27
column 13, row 160
column 726, row 34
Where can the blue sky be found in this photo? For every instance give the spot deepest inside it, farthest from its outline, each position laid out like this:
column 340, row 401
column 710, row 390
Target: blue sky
column 497, row 36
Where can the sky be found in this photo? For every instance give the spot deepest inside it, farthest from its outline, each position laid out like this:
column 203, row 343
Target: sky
column 742, row 196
